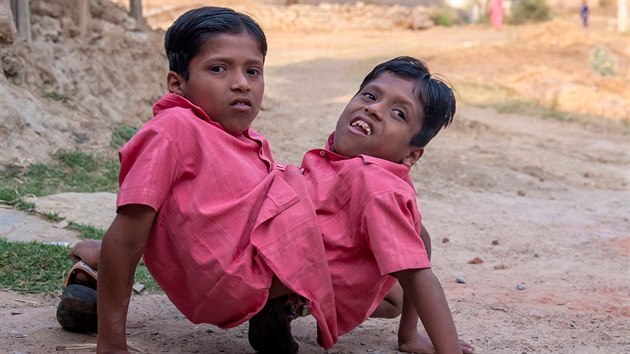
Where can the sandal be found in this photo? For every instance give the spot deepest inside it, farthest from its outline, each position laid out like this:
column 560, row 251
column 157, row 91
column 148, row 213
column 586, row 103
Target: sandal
column 83, row 274
column 270, row 329
column 76, row 311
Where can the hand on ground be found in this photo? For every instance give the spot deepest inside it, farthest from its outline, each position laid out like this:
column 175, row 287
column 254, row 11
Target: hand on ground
column 421, row 344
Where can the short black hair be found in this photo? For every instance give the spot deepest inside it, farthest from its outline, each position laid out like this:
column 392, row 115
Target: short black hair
column 184, row 38
column 435, row 96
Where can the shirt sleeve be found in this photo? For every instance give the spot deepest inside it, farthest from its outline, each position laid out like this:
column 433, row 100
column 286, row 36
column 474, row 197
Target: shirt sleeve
column 391, row 222
column 148, row 167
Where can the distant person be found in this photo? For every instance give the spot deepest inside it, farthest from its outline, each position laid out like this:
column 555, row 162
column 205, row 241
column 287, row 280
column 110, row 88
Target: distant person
column 370, row 225
column 584, row 13
column 496, row 13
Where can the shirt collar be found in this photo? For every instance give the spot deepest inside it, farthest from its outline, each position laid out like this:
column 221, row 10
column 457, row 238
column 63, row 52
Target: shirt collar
column 397, row 169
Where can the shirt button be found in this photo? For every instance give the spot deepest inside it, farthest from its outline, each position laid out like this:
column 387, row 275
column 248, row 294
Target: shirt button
column 322, row 153
column 279, row 165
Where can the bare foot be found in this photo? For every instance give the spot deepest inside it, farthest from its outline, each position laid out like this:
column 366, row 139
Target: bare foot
column 422, row 345
column 87, row 251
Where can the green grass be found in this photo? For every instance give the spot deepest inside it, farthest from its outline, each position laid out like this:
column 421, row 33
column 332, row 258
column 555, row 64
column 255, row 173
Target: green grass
column 56, row 96
column 70, row 171
column 42, row 268
column 121, row 134
column 37, row 268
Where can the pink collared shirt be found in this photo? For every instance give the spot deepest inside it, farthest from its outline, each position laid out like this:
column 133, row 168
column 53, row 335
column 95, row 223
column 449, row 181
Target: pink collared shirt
column 370, row 224
column 203, row 183
column 227, row 220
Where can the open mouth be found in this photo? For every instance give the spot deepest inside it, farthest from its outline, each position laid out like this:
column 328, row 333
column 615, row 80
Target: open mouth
column 362, row 125
column 241, row 103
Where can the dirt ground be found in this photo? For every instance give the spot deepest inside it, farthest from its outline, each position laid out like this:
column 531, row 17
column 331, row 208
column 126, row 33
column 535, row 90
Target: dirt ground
column 542, row 203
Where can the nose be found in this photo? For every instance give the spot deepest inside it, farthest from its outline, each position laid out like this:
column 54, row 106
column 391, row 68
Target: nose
column 240, row 82
column 374, row 110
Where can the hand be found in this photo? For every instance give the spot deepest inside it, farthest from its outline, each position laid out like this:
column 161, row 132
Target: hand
column 421, row 343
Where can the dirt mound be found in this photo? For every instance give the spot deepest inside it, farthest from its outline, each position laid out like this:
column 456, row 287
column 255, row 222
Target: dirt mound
column 61, row 90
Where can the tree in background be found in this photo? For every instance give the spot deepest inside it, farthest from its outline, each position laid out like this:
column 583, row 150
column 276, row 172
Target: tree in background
column 135, row 10
column 22, row 16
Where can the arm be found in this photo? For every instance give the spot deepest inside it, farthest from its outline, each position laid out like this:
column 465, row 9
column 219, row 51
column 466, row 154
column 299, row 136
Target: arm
column 425, row 294
column 407, row 329
column 121, row 250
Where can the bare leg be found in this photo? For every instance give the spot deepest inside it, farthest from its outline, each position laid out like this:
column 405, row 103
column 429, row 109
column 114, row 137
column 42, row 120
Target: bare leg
column 391, row 306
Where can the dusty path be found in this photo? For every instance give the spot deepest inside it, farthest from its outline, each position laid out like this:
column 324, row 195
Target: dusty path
column 540, row 202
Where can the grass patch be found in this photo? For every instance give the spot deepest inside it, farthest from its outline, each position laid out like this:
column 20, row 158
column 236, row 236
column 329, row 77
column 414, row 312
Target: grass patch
column 506, row 100
column 87, row 231
column 56, row 96
column 121, row 134
column 37, row 268
column 33, row 267
column 71, row 171
column 42, row 268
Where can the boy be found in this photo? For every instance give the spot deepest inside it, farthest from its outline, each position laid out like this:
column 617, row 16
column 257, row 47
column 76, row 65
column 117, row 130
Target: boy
column 193, row 182
column 366, row 203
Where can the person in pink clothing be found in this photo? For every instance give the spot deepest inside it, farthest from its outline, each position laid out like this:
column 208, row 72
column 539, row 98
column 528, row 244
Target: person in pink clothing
column 366, row 202
column 196, row 185
column 496, row 13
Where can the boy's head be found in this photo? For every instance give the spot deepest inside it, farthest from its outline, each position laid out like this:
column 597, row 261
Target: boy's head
column 398, row 109
column 186, row 36
column 216, row 58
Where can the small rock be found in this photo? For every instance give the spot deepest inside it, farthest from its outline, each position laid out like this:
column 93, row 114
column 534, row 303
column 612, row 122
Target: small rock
column 16, row 312
column 500, row 267
column 138, row 288
column 475, row 260
column 521, row 286
column 460, row 280
column 495, row 242
column 445, row 240
column 63, row 224
column 520, row 193
column 536, row 254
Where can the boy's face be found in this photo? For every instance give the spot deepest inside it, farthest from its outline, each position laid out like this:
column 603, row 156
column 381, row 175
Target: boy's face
column 226, row 80
column 380, row 121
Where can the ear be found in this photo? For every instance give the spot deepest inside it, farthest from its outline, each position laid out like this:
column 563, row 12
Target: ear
column 414, row 155
column 175, row 83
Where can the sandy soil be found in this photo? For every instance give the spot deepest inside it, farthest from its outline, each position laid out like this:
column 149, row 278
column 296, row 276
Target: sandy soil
column 543, row 203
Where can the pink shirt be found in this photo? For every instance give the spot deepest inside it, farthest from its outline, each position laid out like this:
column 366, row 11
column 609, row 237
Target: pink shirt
column 226, row 221
column 370, row 223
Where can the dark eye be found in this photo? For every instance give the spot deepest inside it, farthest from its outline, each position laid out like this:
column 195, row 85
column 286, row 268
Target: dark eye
column 369, row 96
column 217, row 69
column 254, row 72
column 400, row 113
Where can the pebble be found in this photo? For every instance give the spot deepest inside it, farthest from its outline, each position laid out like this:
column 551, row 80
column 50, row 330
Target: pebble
column 16, row 312
column 521, row 286
column 460, row 280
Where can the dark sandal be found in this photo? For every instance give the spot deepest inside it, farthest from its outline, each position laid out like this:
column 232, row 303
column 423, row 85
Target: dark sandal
column 270, row 329
column 76, row 311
